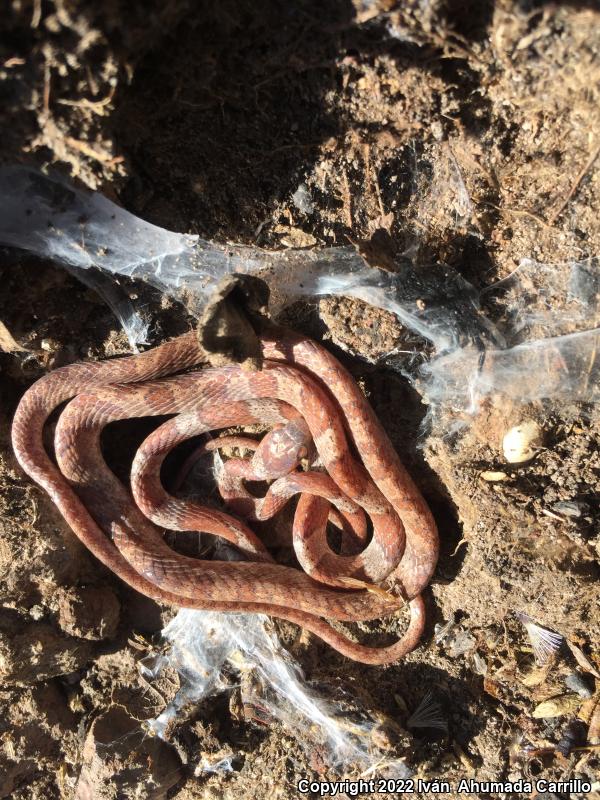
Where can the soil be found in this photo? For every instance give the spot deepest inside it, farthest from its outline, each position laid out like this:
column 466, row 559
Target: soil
column 457, row 133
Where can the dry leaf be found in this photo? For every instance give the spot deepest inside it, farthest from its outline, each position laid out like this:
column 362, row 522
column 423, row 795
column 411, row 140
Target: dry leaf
column 401, row 703
column 491, row 687
column 583, row 660
column 535, row 676
column 589, row 713
column 557, row 706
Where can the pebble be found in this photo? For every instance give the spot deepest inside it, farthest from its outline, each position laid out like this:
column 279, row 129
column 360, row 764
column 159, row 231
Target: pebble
column 302, row 199
column 521, row 443
column 577, row 683
column 571, row 508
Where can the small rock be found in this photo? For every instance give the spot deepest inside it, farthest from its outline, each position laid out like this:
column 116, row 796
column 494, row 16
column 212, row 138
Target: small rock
column 89, row 613
column 36, row 612
column 459, row 642
column 35, row 652
column 442, row 631
column 571, row 508
column 577, row 682
column 295, row 237
column 49, row 345
column 121, row 760
column 302, row 199
column 479, row 664
column 388, row 735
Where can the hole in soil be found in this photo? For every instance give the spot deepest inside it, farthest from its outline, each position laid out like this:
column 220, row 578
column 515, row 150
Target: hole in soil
column 401, row 411
column 227, row 105
column 120, row 440
column 470, row 19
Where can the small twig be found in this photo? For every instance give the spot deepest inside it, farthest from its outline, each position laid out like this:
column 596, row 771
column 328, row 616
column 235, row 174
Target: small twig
column 460, row 544
column 347, row 199
column 14, row 61
column 83, row 147
column 92, row 83
column 590, row 365
column 551, row 514
column 34, row 517
column 581, row 175
column 97, row 106
column 373, row 175
column 36, row 16
column 46, row 95
column 518, row 212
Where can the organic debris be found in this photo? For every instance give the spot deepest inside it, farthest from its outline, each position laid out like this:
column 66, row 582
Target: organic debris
column 545, row 643
column 428, row 714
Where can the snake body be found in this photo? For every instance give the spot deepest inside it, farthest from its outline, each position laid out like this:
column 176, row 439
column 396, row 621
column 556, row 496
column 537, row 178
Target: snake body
column 301, row 385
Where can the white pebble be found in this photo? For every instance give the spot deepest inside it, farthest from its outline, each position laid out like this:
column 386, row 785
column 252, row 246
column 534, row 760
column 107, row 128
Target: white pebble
column 522, row 442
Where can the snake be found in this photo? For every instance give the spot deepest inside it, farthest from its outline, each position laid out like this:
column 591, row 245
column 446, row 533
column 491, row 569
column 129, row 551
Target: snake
column 300, row 384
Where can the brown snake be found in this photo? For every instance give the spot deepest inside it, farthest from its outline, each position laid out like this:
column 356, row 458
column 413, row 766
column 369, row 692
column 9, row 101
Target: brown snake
column 299, row 380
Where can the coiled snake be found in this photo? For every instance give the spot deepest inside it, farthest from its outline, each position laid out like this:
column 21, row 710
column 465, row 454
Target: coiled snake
column 312, row 403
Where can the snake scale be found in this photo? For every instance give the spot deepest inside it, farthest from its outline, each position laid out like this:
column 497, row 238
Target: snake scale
column 311, row 403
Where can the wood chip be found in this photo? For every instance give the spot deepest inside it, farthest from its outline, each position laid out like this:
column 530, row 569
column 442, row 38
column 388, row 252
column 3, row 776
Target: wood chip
column 8, row 344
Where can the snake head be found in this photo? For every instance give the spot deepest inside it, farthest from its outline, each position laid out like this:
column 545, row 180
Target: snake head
column 282, row 449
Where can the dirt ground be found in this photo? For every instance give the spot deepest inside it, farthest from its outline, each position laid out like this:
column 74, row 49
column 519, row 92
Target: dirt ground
column 444, row 132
